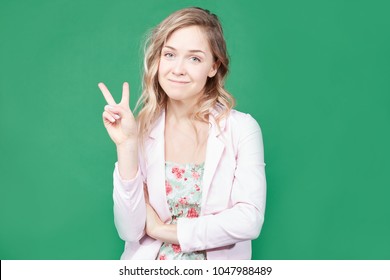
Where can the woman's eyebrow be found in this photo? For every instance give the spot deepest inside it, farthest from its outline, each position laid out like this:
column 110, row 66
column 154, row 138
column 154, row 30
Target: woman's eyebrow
column 192, row 51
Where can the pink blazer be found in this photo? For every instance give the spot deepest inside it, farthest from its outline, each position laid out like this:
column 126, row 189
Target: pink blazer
column 233, row 198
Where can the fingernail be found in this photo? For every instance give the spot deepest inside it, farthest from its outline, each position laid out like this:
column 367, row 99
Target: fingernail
column 117, row 117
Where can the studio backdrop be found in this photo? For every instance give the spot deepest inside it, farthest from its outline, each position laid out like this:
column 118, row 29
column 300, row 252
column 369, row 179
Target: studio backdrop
column 314, row 74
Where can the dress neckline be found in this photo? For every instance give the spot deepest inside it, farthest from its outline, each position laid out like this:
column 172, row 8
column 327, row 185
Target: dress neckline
column 167, row 162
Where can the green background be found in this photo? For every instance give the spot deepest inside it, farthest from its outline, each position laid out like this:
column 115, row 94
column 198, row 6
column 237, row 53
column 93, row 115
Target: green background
column 315, row 75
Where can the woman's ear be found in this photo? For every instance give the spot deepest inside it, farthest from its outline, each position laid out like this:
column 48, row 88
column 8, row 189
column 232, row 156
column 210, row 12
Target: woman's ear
column 214, row 69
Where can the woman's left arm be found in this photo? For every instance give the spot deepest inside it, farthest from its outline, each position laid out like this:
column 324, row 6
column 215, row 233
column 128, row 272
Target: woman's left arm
column 244, row 219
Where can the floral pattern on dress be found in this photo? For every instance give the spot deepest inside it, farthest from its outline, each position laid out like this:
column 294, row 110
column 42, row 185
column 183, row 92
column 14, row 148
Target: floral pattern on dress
column 183, row 187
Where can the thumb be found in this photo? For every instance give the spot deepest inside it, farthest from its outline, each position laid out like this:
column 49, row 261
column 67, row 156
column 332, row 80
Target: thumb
column 117, row 109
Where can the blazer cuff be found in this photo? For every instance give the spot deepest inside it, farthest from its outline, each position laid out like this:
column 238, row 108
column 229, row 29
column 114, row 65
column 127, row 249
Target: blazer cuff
column 189, row 234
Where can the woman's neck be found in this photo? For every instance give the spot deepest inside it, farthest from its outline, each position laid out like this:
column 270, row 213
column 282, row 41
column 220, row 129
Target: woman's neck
column 185, row 137
column 179, row 111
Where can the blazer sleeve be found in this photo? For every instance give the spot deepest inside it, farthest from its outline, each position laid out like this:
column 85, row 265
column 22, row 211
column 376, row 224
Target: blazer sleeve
column 242, row 221
column 129, row 206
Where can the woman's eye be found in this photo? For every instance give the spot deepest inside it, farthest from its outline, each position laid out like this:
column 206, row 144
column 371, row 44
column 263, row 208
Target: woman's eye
column 195, row 59
column 168, row 55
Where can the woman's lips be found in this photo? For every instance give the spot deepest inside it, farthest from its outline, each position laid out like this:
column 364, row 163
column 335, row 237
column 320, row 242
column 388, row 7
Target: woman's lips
column 178, row 82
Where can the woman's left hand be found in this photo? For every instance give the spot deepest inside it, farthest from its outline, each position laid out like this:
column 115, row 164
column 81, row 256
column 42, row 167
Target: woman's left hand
column 153, row 222
column 155, row 228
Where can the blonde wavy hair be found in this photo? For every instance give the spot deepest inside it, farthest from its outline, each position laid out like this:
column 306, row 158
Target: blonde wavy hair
column 153, row 98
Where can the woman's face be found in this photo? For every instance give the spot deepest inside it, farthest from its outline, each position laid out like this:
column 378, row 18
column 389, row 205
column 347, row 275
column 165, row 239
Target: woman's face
column 185, row 64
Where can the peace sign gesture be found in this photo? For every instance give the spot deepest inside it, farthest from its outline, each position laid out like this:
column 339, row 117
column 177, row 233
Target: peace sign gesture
column 118, row 118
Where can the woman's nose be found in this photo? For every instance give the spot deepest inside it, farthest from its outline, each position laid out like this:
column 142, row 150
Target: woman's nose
column 178, row 68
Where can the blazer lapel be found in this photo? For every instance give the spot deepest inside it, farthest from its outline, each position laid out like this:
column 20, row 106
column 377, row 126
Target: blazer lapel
column 156, row 170
column 215, row 148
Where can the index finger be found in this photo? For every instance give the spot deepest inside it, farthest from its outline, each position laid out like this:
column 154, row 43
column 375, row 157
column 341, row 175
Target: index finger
column 107, row 95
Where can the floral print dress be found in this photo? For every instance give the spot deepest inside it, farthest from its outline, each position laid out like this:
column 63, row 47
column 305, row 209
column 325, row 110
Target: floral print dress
column 183, row 186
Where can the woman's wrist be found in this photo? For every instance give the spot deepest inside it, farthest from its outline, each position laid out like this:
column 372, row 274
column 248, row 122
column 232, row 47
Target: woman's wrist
column 128, row 145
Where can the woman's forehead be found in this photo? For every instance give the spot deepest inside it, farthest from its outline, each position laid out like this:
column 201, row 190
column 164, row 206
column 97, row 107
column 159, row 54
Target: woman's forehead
column 191, row 38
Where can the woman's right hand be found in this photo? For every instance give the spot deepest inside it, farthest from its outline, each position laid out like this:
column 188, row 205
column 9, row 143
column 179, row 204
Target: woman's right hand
column 118, row 118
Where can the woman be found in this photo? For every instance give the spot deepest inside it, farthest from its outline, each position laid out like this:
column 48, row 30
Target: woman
column 190, row 181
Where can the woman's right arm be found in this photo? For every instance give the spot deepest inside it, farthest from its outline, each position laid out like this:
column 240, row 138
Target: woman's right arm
column 129, row 206
column 129, row 202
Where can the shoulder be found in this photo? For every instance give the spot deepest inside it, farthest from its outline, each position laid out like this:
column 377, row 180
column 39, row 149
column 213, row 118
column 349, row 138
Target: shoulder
column 243, row 134
column 243, row 122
